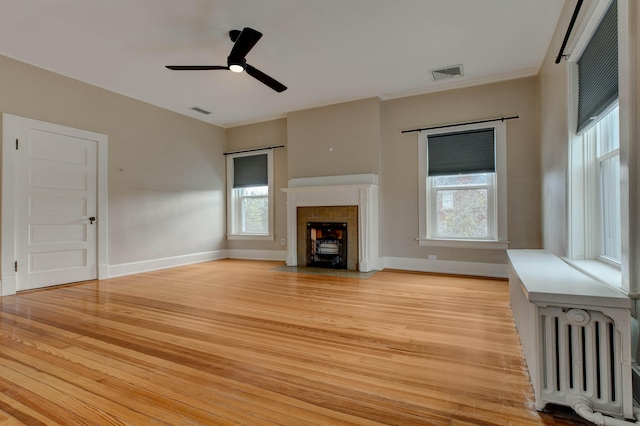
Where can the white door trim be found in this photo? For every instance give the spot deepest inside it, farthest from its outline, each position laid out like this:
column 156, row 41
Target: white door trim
column 10, row 128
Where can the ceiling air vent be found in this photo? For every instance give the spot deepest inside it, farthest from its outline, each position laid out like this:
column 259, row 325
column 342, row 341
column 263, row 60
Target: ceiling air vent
column 453, row 71
column 201, row 111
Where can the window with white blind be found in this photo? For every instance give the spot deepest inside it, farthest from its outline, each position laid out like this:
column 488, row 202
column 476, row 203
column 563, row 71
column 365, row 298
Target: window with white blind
column 463, row 186
column 250, row 195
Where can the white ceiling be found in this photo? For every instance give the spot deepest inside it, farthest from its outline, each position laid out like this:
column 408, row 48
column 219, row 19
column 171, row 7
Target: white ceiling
column 325, row 51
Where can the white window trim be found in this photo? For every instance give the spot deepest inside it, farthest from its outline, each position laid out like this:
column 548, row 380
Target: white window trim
column 231, row 214
column 499, row 222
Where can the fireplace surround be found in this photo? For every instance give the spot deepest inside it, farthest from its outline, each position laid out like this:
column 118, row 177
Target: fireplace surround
column 327, row 191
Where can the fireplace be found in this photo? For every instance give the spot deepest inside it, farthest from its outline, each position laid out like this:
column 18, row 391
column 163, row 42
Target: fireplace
column 327, row 242
column 322, row 199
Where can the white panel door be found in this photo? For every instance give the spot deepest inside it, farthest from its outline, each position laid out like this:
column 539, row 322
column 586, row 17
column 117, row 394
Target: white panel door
column 56, row 209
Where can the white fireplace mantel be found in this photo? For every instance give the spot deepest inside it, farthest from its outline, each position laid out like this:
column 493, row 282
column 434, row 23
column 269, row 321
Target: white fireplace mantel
column 348, row 190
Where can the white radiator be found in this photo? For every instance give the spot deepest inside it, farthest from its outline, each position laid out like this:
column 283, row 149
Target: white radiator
column 580, row 355
column 575, row 334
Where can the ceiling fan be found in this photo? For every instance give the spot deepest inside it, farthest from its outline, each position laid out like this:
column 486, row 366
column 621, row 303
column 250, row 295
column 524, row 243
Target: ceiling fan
column 243, row 42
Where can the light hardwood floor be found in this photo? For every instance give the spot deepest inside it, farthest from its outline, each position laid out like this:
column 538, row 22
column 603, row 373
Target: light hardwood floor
column 234, row 342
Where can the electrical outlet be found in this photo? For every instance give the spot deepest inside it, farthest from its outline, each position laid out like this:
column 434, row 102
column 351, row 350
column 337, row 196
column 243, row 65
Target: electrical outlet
column 283, row 242
column 432, row 257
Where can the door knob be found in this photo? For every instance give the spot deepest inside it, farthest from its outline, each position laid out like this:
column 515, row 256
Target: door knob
column 91, row 220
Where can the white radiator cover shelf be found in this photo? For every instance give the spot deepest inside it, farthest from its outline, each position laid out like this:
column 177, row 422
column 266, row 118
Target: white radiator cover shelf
column 575, row 333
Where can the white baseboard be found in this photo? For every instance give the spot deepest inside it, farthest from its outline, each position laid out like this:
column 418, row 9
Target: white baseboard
column 494, row 270
column 164, row 263
column 406, row 264
column 258, row 254
column 8, row 285
column 103, row 271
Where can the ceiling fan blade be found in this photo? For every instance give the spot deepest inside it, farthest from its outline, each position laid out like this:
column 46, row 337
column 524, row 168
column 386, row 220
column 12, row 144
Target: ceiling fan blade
column 245, row 42
column 262, row 77
column 196, row 67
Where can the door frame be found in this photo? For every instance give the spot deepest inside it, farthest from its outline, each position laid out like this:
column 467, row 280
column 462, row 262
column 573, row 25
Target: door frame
column 8, row 211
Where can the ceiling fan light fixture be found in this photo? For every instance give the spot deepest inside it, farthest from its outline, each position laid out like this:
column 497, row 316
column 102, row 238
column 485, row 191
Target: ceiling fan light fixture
column 243, row 42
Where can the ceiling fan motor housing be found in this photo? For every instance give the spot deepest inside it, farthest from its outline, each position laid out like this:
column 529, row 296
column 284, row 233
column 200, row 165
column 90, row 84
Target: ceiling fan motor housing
column 234, row 34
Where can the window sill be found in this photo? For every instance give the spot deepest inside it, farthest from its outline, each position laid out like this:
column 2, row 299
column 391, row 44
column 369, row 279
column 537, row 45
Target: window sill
column 250, row 237
column 464, row 244
column 600, row 271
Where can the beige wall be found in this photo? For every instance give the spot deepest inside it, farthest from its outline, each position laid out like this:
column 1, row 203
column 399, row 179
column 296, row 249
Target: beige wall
column 399, row 210
column 554, row 136
column 260, row 135
column 366, row 138
column 340, row 139
column 166, row 171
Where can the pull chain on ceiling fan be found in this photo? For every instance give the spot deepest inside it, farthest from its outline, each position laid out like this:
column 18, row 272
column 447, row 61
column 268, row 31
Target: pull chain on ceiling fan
column 236, row 61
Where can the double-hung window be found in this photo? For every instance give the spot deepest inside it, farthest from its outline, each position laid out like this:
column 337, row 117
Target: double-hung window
column 250, row 195
column 463, row 186
column 595, row 191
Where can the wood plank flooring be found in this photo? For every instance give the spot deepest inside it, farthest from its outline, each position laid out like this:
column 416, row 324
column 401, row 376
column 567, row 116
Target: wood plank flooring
column 234, row 342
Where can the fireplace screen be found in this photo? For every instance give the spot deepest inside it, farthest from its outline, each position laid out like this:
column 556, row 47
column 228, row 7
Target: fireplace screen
column 327, row 244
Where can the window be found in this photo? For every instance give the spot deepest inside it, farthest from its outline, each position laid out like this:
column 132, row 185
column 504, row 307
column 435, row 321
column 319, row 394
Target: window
column 251, row 210
column 596, row 190
column 463, row 187
column 250, row 195
column 595, row 219
column 461, row 206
